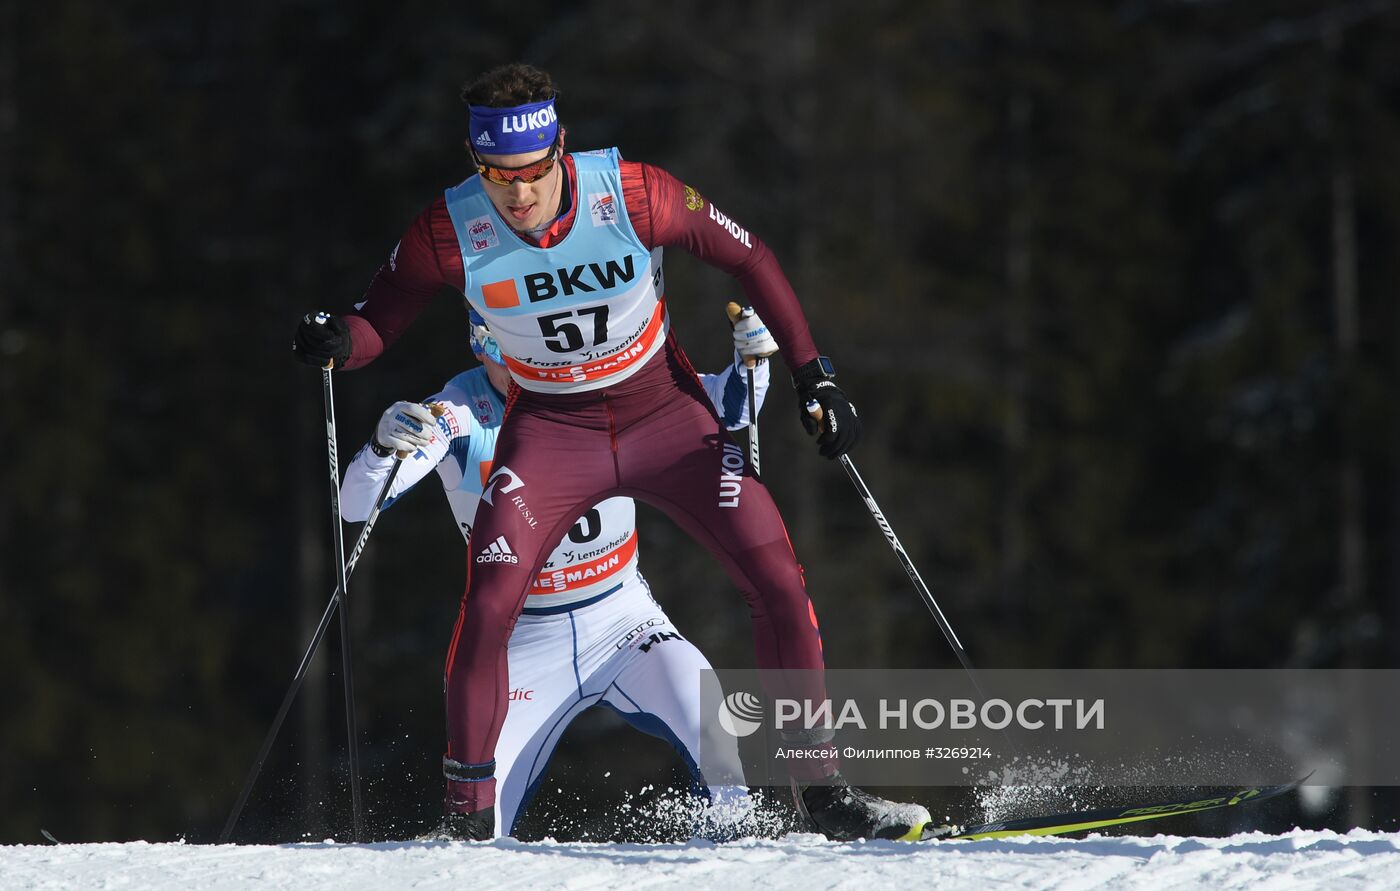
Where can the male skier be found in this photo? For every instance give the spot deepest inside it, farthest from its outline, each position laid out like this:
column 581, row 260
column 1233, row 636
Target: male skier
column 561, row 254
column 590, row 632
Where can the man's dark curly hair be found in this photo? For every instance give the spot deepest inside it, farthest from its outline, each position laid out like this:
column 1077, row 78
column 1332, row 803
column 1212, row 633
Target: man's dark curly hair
column 508, row 85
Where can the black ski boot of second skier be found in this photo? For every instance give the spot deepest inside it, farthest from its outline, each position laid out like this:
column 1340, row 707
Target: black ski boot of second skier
column 843, row 812
column 480, row 826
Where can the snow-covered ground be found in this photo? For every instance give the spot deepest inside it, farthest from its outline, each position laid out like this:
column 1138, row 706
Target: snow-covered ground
column 1300, row 859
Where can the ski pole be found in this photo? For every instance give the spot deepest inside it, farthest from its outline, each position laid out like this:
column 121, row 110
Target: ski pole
column 347, row 665
column 315, row 644
column 864, row 491
column 735, row 312
column 753, row 420
column 944, row 625
column 305, row 664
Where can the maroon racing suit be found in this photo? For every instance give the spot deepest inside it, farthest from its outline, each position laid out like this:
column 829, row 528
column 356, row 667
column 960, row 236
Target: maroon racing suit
column 653, row 436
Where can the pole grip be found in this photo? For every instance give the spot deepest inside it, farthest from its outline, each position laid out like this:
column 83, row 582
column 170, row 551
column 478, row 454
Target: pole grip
column 735, row 313
column 438, row 410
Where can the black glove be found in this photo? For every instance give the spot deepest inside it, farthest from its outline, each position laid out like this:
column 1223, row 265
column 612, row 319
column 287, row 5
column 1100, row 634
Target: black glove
column 839, row 425
column 321, row 338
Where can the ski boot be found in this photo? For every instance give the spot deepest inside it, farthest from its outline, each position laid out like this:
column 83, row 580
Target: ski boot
column 468, row 787
column 478, row 826
column 843, row 812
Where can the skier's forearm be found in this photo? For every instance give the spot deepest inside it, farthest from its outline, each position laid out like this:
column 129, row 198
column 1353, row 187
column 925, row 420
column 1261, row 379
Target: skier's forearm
column 729, row 391
column 364, row 480
column 366, row 344
column 768, row 290
column 389, row 307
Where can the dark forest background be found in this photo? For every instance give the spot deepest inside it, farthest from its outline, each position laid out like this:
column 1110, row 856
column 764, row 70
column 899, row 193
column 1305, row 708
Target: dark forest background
column 1112, row 284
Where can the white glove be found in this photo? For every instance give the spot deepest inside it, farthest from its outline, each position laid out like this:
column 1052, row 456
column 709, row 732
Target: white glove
column 405, row 427
column 751, row 337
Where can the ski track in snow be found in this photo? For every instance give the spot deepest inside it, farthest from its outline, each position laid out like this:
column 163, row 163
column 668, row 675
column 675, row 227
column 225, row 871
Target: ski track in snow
column 1299, row 859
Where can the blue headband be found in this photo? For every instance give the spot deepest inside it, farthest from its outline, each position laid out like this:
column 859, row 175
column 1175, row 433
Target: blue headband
column 516, row 130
